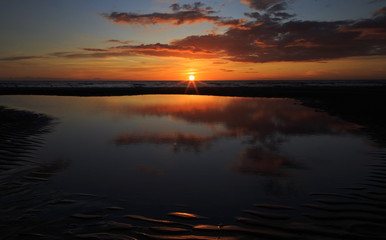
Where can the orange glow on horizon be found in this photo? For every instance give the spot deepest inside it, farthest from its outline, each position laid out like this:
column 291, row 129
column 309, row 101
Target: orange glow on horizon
column 178, row 69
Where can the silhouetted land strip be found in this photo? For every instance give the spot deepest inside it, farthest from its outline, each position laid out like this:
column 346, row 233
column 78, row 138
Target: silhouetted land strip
column 240, row 91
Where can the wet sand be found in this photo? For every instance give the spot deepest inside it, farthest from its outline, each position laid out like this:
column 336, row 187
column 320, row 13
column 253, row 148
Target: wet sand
column 29, row 212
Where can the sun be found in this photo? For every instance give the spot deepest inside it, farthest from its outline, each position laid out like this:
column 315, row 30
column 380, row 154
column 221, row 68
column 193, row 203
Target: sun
column 192, row 77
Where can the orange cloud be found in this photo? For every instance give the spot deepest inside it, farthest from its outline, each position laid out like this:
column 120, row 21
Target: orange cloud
column 168, row 50
column 269, row 37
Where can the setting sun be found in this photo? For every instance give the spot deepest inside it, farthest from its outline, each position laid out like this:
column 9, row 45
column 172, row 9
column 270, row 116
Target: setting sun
column 191, row 78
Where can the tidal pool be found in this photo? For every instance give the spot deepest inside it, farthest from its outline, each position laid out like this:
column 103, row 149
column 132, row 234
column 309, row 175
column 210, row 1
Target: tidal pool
column 213, row 156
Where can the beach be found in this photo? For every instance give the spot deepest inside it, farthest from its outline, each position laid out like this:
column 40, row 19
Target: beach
column 34, row 206
column 160, row 119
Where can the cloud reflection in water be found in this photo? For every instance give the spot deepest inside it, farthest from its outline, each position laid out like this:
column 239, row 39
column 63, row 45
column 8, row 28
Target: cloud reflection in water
column 261, row 124
column 256, row 160
column 186, row 142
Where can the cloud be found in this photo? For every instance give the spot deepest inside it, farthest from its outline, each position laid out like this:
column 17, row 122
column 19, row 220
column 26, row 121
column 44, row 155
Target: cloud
column 371, row 32
column 227, row 70
column 180, row 18
column 268, row 36
column 94, row 49
column 158, row 49
column 20, row 58
column 180, row 15
column 380, row 11
column 262, row 5
column 274, row 41
column 98, row 54
column 118, row 42
column 268, row 10
column 167, row 50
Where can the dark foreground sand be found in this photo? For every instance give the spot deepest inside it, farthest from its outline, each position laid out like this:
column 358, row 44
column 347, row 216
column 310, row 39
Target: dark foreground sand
column 27, row 211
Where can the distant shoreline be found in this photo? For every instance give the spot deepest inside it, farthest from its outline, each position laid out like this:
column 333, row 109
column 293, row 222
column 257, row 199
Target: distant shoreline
column 291, row 89
column 291, row 92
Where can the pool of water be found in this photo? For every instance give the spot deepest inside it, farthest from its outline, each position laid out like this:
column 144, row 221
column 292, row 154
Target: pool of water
column 213, row 156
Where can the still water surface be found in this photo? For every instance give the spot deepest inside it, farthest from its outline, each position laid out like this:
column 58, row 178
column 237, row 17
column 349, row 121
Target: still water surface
column 213, row 156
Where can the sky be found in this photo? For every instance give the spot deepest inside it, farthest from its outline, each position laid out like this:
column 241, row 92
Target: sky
column 173, row 39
